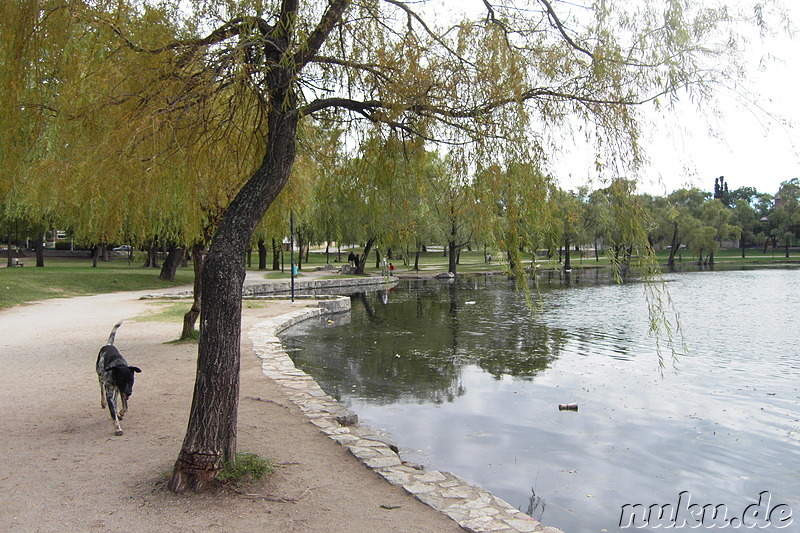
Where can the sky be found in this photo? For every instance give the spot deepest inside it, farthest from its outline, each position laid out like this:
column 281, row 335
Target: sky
column 746, row 145
column 754, row 146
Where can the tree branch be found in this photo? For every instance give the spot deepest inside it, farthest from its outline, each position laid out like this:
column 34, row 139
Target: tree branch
column 226, row 31
column 560, row 27
column 332, row 16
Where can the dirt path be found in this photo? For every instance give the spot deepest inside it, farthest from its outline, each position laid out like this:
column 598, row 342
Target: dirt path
column 62, row 468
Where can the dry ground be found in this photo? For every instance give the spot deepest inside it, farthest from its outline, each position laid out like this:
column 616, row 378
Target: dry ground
column 62, row 468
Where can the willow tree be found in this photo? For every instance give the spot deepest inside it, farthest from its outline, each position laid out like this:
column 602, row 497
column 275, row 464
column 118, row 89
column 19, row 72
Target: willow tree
column 168, row 89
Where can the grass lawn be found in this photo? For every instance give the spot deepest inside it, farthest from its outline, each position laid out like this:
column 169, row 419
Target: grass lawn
column 63, row 278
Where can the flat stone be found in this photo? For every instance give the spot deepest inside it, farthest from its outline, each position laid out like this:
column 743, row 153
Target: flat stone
column 456, row 513
column 344, row 437
column 477, row 512
column 382, row 462
column 419, row 488
column 431, row 499
column 485, row 523
column 524, row 526
column 394, row 476
column 365, row 453
column 459, row 492
column 434, row 476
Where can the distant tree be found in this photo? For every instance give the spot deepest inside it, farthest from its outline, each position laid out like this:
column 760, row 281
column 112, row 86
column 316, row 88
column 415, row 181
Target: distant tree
column 715, row 215
column 786, row 213
column 683, row 216
column 745, row 219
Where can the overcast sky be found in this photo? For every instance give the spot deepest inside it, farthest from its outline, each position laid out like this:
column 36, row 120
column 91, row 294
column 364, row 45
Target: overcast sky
column 746, row 146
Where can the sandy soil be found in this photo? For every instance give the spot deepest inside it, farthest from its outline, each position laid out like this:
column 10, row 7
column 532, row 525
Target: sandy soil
column 62, row 468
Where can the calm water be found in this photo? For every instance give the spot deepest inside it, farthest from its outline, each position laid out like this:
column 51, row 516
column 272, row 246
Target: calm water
column 467, row 380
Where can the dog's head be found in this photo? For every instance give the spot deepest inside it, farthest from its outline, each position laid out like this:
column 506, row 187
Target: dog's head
column 122, row 376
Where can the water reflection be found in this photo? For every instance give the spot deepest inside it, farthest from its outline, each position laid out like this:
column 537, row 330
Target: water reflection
column 470, row 380
column 416, row 347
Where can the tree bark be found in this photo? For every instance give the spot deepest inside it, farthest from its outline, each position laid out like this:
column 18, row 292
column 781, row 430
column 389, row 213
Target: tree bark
column 276, row 255
column 567, row 264
column 9, row 252
column 190, row 318
column 39, row 251
column 361, row 260
column 452, row 258
column 211, row 433
column 674, row 249
column 300, row 254
column 262, row 255
column 152, row 256
column 171, row 263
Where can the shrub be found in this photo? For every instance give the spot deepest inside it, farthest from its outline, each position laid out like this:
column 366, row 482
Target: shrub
column 246, row 467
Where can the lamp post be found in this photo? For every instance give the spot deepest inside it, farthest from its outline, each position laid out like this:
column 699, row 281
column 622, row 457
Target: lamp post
column 291, row 250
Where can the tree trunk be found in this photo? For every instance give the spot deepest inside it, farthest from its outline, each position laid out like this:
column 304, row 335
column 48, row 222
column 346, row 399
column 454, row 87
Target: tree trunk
column 361, row 260
column 171, row 263
column 452, row 258
column 276, row 255
column 416, row 259
column 40, row 251
column 567, row 264
column 9, row 252
column 674, row 249
column 262, row 255
column 190, row 318
column 152, row 256
column 300, row 253
column 211, row 433
column 95, row 254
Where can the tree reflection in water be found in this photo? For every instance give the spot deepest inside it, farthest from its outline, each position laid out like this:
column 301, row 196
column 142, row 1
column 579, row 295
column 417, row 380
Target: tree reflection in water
column 412, row 344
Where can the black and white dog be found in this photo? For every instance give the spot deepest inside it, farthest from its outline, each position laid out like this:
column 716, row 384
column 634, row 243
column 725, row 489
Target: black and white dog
column 116, row 379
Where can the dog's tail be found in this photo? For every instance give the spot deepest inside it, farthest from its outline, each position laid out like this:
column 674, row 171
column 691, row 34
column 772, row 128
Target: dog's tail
column 110, row 340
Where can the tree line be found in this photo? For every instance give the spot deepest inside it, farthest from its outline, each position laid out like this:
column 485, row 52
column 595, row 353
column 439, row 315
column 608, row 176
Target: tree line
column 358, row 200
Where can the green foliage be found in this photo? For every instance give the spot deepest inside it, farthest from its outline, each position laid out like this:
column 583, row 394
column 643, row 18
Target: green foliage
column 247, row 467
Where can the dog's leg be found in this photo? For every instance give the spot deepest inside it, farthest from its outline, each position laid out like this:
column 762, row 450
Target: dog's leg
column 124, row 409
column 102, row 394
column 112, row 408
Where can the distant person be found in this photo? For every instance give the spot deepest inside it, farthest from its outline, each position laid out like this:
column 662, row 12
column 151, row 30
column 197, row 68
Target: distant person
column 351, row 259
column 391, row 268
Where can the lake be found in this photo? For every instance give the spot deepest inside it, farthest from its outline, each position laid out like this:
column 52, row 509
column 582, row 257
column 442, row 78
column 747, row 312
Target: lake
column 468, row 379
